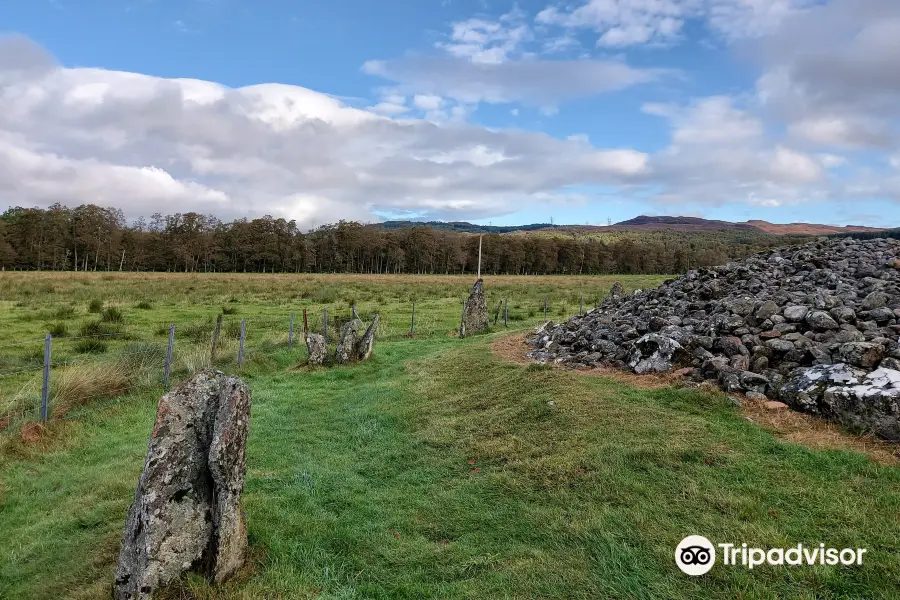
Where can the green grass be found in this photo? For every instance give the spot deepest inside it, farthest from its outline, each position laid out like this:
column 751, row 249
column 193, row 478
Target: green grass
column 123, row 308
column 438, row 471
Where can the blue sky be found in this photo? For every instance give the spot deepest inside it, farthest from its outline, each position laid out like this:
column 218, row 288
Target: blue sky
column 481, row 110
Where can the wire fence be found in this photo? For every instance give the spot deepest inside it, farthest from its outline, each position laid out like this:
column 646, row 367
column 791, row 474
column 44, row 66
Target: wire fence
column 61, row 376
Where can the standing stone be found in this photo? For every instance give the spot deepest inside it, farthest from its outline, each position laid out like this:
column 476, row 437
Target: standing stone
column 186, row 513
column 475, row 317
column 367, row 343
column 317, row 348
column 351, row 333
column 617, row 291
column 356, row 345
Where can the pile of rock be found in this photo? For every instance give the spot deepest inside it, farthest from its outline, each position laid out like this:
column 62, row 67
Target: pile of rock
column 816, row 326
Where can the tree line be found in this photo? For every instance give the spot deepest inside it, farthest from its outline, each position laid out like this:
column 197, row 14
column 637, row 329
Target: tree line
column 95, row 238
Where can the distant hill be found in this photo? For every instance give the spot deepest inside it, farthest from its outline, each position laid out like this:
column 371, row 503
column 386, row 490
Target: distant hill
column 809, row 228
column 641, row 223
column 462, row 226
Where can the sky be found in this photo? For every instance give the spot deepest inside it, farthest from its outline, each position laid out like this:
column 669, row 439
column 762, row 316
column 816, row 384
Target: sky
column 488, row 111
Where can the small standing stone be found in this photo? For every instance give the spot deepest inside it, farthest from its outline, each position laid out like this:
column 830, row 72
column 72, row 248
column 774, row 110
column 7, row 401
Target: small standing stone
column 318, row 350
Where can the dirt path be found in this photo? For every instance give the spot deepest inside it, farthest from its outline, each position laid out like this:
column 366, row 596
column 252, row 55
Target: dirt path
column 789, row 425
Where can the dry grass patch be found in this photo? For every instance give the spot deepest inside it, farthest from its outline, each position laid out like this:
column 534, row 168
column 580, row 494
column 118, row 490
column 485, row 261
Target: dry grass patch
column 79, row 385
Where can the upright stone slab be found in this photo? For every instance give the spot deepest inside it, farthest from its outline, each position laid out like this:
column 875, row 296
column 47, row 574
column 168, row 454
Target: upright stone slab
column 317, row 348
column 186, row 514
column 367, row 343
column 351, row 333
column 356, row 344
column 475, row 314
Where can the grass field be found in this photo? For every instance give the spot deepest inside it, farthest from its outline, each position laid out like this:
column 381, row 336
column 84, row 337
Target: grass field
column 439, row 470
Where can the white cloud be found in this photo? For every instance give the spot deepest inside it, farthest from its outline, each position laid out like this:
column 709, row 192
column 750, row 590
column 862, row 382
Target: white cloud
column 150, row 144
column 428, row 102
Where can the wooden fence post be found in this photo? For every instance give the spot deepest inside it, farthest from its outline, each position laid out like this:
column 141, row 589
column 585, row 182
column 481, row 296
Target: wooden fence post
column 169, row 356
column 241, row 344
column 325, row 325
column 305, row 323
column 506, row 312
column 580, row 305
column 45, row 388
column 412, row 326
column 545, row 308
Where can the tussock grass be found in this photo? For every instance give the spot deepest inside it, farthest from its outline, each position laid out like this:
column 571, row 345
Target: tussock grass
column 95, row 305
column 81, row 384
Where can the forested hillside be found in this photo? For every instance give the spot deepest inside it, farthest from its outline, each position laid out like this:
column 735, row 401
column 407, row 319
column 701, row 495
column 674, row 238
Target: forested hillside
column 94, row 238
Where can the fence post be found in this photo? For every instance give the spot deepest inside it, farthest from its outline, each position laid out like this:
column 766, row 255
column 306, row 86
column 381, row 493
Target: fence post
column 215, row 339
column 169, row 356
column 580, row 305
column 462, row 317
column 305, row 323
column 291, row 333
column 325, row 325
column 45, row 388
column 506, row 312
column 545, row 308
column 353, row 314
column 241, row 344
column 412, row 326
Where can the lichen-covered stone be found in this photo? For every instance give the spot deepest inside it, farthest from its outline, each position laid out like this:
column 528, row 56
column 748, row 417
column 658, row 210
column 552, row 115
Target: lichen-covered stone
column 475, row 316
column 316, row 348
column 356, row 344
column 186, row 513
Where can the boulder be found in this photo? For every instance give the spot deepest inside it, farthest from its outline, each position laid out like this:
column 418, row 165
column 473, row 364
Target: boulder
column 186, row 513
column 653, row 353
column 475, row 316
column 317, row 348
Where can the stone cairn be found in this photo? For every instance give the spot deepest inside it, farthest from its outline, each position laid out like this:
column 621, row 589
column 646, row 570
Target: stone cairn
column 815, row 326
column 475, row 312
column 186, row 514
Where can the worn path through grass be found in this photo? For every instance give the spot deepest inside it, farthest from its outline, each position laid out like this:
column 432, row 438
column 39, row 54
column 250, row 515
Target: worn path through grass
column 440, row 471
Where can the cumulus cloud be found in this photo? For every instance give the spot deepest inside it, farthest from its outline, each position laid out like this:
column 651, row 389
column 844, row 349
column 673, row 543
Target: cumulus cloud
column 148, row 144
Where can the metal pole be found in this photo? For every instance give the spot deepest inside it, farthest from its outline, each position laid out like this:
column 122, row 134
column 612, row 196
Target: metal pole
column 241, row 344
column 169, row 356
column 45, row 389
column 291, row 332
column 325, row 325
column 506, row 312
column 412, row 327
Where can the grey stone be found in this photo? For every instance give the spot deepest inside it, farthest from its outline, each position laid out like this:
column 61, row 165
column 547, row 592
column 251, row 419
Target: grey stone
column 475, row 317
column 766, row 310
column 876, row 299
column 861, row 354
column 653, row 353
column 316, row 348
column 796, row 314
column 821, row 321
column 356, row 344
column 186, row 513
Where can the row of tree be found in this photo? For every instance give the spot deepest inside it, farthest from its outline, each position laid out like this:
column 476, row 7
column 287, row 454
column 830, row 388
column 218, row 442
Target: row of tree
column 94, row 238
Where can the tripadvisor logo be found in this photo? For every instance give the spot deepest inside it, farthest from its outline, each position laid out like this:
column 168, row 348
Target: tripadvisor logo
column 696, row 555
